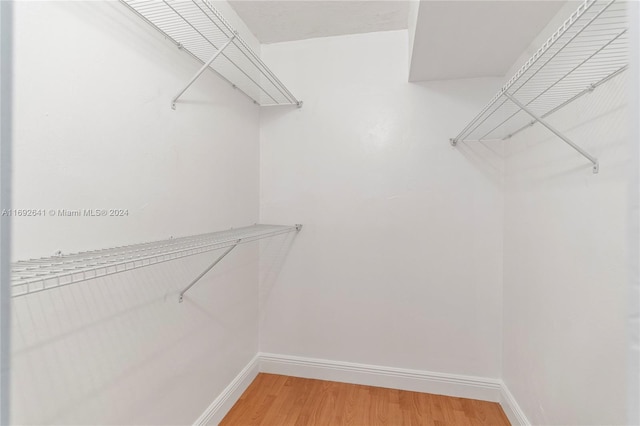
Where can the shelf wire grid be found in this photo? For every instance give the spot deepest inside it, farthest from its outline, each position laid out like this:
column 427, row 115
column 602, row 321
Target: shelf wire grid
column 198, row 28
column 35, row 275
column 589, row 49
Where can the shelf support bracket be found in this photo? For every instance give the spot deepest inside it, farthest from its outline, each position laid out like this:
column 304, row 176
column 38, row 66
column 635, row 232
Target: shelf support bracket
column 594, row 160
column 200, row 71
column 207, row 270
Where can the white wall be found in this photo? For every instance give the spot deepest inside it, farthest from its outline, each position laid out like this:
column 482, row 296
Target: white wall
column 6, row 142
column 400, row 260
column 567, row 262
column 94, row 129
column 412, row 26
column 633, row 373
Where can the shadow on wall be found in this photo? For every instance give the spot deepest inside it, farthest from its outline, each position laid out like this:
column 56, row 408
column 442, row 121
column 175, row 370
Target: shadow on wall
column 540, row 154
column 456, row 102
column 487, row 156
column 123, row 25
column 273, row 255
column 105, row 348
column 596, row 122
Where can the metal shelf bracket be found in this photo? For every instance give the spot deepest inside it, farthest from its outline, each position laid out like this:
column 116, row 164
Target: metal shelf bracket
column 197, row 28
column 594, row 160
column 588, row 50
column 200, row 71
column 298, row 227
column 207, row 270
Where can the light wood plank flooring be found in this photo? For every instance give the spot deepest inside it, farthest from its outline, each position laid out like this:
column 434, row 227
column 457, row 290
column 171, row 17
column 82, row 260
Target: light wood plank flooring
column 276, row 400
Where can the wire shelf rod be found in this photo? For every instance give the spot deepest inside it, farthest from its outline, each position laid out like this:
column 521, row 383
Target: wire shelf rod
column 269, row 75
column 105, row 253
column 589, row 49
column 546, row 46
column 556, row 132
column 193, row 55
column 248, row 52
column 253, row 54
column 530, row 66
column 124, row 264
column 220, row 50
column 198, row 28
column 567, row 102
column 132, row 254
column 60, row 271
column 568, row 43
column 576, row 67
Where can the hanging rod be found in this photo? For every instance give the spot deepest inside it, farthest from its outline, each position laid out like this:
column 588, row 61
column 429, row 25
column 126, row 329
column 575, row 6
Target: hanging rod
column 196, row 27
column 36, row 275
column 589, row 49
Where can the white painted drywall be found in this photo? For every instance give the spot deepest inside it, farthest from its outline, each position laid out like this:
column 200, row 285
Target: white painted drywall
column 94, row 129
column 567, row 264
column 399, row 263
column 6, row 143
column 465, row 39
column 633, row 374
column 412, row 26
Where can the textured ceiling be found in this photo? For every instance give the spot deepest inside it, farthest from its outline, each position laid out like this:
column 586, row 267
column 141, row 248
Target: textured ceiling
column 273, row 21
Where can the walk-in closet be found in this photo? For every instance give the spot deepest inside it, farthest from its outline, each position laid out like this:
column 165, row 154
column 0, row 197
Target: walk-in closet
column 319, row 212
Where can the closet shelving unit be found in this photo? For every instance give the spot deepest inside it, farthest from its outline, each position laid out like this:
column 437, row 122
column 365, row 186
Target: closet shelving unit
column 196, row 27
column 36, row 275
column 589, row 49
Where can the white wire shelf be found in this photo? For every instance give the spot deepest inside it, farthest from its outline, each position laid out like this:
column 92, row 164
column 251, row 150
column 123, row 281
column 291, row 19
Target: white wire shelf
column 199, row 29
column 36, row 275
column 589, row 49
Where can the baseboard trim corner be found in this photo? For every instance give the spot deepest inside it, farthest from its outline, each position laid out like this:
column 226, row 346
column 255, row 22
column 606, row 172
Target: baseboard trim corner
column 228, row 397
column 461, row 386
column 482, row 388
column 511, row 407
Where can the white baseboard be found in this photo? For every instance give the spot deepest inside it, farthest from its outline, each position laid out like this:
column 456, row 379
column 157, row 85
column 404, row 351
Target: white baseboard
column 511, row 408
column 373, row 375
column 473, row 387
column 223, row 403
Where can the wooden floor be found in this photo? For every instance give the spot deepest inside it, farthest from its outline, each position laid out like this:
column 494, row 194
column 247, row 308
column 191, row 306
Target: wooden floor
column 281, row 400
